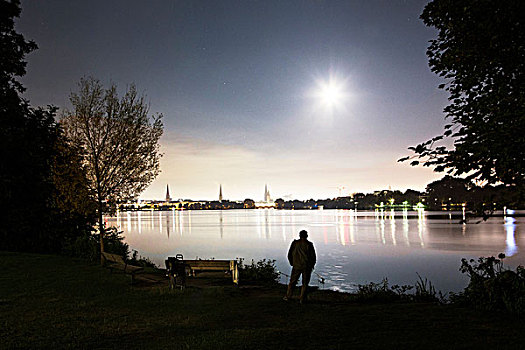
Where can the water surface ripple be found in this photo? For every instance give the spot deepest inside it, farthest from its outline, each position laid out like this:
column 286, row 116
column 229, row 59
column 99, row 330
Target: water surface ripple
column 352, row 247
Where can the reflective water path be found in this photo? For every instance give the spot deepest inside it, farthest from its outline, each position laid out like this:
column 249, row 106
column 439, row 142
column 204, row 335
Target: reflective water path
column 352, row 248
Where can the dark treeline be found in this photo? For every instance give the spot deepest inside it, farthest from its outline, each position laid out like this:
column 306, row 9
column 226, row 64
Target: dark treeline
column 59, row 177
column 447, row 193
column 444, row 194
column 214, row 205
column 360, row 201
column 41, row 177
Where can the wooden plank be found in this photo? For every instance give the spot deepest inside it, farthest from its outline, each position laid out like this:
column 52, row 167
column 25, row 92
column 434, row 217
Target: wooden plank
column 113, row 258
column 219, row 264
column 116, row 262
column 215, row 265
column 208, row 265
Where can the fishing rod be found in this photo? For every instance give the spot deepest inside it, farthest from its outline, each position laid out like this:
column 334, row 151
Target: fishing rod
column 320, row 279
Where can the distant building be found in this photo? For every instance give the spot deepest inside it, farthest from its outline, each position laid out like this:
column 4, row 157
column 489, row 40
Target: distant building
column 267, row 197
column 220, row 193
column 168, row 198
column 267, row 200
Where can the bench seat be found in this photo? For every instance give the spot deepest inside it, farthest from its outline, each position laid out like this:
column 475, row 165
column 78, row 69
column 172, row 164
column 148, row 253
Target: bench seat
column 114, row 261
column 211, row 265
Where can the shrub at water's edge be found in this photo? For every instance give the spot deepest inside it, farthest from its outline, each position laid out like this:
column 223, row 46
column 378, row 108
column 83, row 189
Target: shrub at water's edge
column 383, row 293
column 141, row 260
column 492, row 286
column 87, row 247
column 261, row 272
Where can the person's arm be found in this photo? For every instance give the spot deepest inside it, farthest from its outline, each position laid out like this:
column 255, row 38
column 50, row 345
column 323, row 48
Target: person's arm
column 290, row 253
column 313, row 257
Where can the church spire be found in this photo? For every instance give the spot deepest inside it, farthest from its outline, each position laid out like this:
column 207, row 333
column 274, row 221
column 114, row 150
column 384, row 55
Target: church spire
column 168, row 198
column 220, row 193
column 267, row 198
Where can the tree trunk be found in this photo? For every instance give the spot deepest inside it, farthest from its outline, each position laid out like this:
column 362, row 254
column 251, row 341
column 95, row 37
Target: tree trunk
column 101, row 230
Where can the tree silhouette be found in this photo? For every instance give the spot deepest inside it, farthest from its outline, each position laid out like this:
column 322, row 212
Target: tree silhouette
column 120, row 142
column 26, row 142
column 480, row 52
column 37, row 164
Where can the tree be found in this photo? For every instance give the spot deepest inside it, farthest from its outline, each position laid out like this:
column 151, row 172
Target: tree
column 71, row 199
column 480, row 52
column 120, row 142
column 26, row 143
column 249, row 203
column 447, row 191
column 13, row 50
column 38, row 164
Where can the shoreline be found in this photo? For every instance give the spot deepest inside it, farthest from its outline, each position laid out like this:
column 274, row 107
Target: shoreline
column 51, row 301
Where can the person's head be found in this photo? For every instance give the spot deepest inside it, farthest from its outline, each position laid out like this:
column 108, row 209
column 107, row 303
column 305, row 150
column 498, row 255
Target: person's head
column 303, row 234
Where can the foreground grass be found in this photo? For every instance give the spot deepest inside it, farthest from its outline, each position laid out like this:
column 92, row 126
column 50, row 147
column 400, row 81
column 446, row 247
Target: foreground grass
column 59, row 302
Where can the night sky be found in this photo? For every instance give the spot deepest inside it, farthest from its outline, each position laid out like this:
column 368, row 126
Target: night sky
column 240, row 85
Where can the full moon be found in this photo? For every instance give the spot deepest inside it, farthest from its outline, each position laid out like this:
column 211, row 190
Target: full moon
column 330, row 94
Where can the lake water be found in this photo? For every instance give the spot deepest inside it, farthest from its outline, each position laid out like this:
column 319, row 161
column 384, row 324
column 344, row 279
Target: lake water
column 352, row 247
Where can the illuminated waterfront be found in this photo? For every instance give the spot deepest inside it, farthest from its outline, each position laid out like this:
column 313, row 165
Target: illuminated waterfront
column 352, row 248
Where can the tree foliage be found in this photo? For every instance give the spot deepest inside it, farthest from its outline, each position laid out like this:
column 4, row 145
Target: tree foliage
column 448, row 190
column 480, row 53
column 492, row 285
column 453, row 191
column 35, row 157
column 119, row 141
column 13, row 49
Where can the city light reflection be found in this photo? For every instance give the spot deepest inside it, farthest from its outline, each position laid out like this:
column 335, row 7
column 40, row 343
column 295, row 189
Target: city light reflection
column 173, row 221
column 510, row 227
column 382, row 226
column 393, row 226
column 128, row 220
column 405, row 226
column 339, row 236
column 420, row 225
column 352, row 227
column 139, row 221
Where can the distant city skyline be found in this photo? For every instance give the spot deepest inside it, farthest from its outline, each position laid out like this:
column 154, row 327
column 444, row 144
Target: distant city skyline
column 266, row 197
column 308, row 97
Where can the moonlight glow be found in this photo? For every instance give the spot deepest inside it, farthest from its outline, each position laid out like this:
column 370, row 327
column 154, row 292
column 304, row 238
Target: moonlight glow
column 330, row 94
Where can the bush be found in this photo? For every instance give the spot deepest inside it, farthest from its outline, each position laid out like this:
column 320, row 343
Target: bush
column 264, row 271
column 88, row 246
column 425, row 292
column 114, row 243
column 85, row 247
column 140, row 260
column 492, row 286
column 381, row 292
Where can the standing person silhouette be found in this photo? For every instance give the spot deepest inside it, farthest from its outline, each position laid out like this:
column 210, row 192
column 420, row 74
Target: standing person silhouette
column 301, row 256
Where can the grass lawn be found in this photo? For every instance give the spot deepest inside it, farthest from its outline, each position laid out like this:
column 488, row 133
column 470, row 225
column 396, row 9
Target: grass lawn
column 51, row 301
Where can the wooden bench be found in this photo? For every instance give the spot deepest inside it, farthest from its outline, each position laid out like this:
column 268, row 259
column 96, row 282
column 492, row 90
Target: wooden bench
column 209, row 265
column 114, row 261
column 214, row 265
